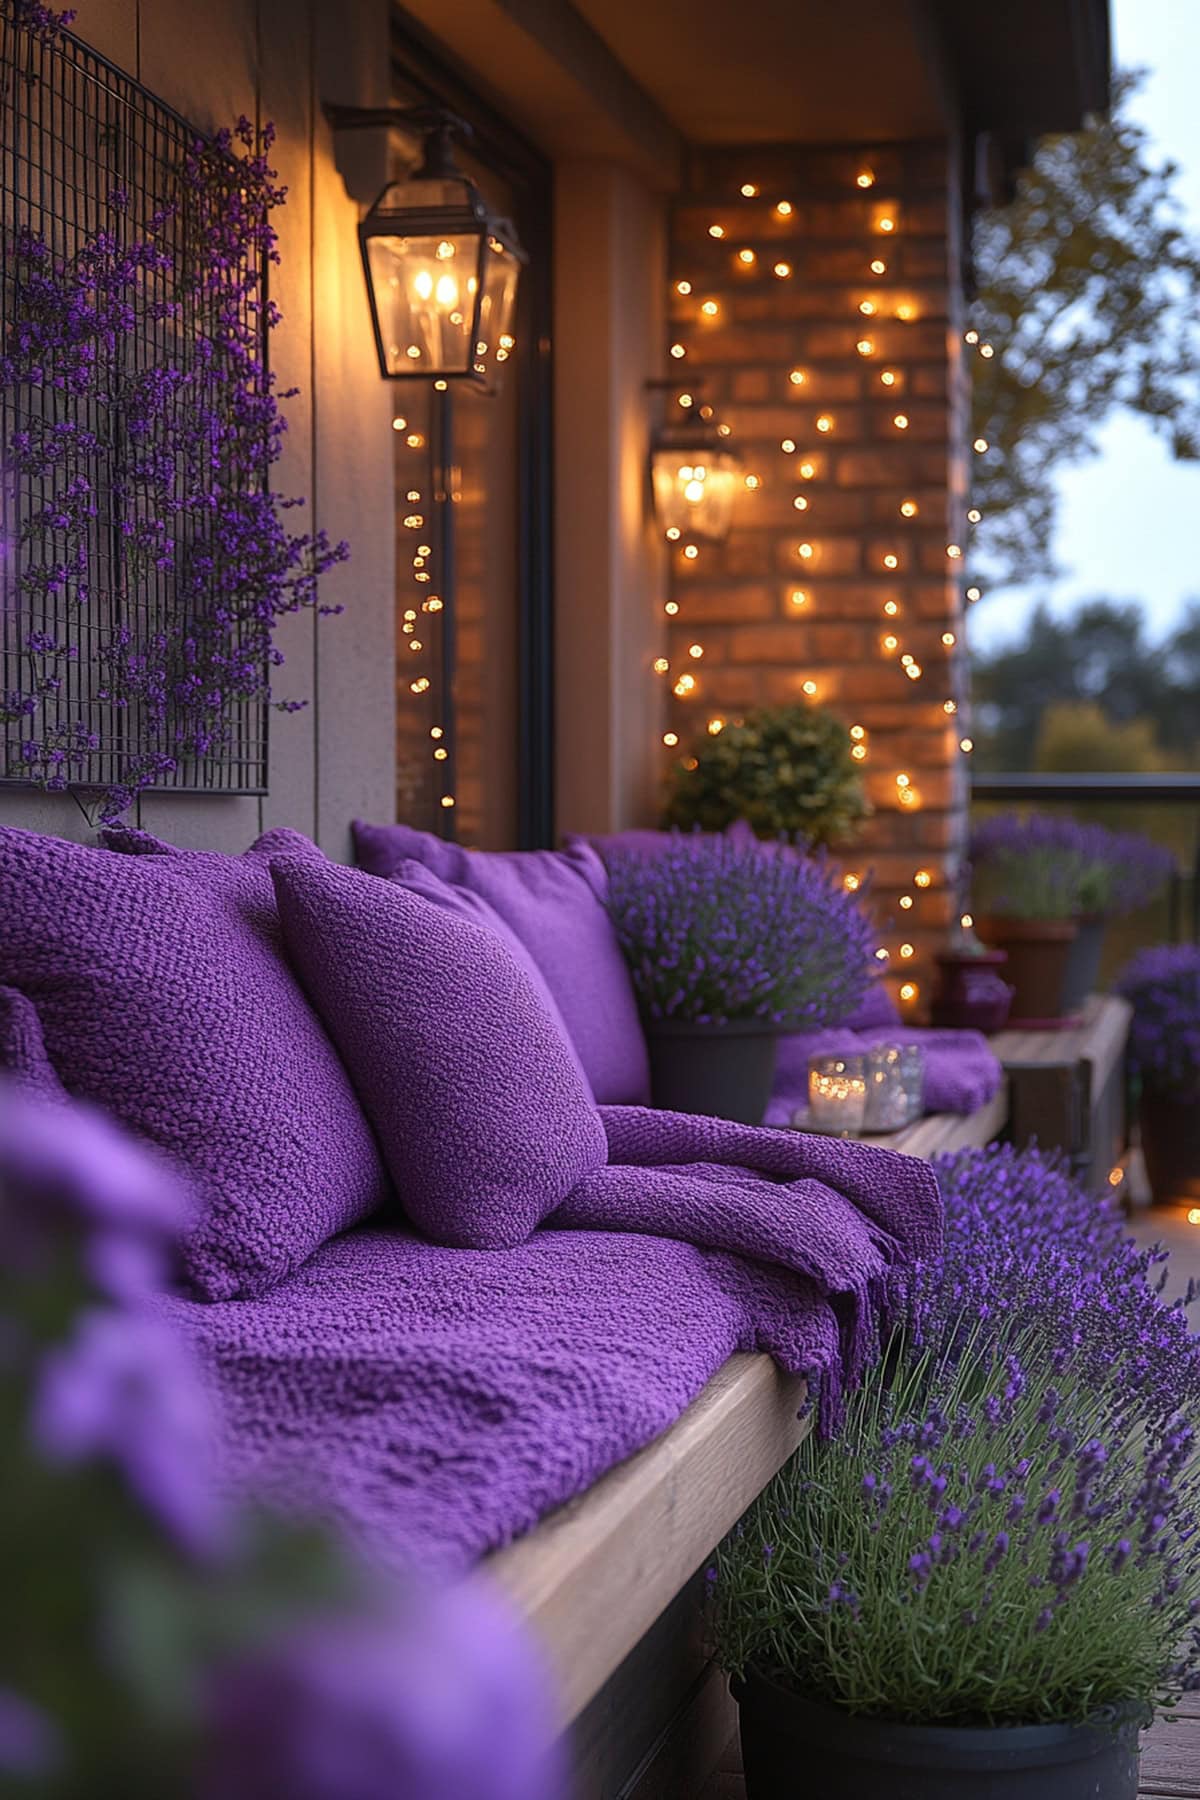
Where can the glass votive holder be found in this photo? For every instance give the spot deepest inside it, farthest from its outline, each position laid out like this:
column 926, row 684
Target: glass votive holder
column 887, row 1106
column 912, row 1074
column 837, row 1093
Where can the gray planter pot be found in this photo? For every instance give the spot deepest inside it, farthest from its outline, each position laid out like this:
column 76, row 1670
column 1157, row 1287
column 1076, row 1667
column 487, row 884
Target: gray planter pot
column 791, row 1746
column 725, row 1071
column 1082, row 975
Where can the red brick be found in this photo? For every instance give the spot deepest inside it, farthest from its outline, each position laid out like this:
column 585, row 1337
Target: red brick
column 730, row 601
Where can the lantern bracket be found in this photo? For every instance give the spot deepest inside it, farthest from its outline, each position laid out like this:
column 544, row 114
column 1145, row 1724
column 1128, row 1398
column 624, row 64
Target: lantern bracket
column 441, row 125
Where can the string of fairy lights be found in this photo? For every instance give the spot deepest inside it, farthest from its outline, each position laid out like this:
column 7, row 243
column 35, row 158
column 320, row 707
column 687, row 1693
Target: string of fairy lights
column 878, row 300
column 421, row 602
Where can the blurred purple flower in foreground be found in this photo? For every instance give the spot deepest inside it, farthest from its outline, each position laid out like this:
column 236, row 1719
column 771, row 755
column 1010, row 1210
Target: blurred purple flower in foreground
column 444, row 1703
column 29, row 1744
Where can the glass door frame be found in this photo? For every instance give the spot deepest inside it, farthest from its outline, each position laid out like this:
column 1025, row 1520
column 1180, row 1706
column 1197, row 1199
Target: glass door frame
column 423, row 68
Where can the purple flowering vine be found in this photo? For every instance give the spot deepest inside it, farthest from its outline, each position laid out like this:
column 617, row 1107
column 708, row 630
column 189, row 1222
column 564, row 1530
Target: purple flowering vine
column 148, row 424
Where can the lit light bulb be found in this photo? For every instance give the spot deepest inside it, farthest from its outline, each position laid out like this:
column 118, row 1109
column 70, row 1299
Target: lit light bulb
column 749, row 190
column 949, row 639
column 399, row 424
column 685, row 400
column 906, row 950
column 788, row 446
column 906, row 659
column 716, row 231
column 923, row 878
column 809, row 688
column 966, row 745
column 691, row 552
column 677, row 351
column 909, row 990
column 746, row 257
column 909, row 509
column 890, row 643
column 685, row 685
column 710, row 309
column 954, row 551
column 851, row 883
column 900, row 421
column 974, row 593
column 753, row 483
column 881, row 955
column 906, row 902
column 801, row 503
column 673, row 533
column 891, row 560
column 782, row 270
column 888, row 377
column 865, row 346
column 865, row 178
column 670, row 607
column 824, row 422
column 683, row 287
column 966, row 920
column 715, row 727
column 885, row 223
column 784, row 209
column 447, row 800
column 805, row 550
column 670, row 739
column 696, row 651
column 1116, row 1175
column 906, row 312
column 858, row 752
column 807, row 471
column 913, row 671
column 867, row 308
column 973, row 515
column 413, row 494
column 436, row 731
column 986, row 350
column 858, row 733
column 980, row 445
column 950, row 707
column 891, row 608
column 414, row 440
column 878, row 266
column 797, row 377
column 970, row 337
column 1193, row 1217
column 661, row 665
column 798, row 597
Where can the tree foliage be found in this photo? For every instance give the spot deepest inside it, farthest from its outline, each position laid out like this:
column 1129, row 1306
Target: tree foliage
column 1089, row 298
column 1071, row 682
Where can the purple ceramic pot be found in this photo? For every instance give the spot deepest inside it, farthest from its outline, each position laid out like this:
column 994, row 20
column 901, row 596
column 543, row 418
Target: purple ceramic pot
column 971, row 995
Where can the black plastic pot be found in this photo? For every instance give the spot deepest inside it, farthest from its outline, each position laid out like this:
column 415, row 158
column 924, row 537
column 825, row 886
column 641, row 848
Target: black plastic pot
column 723, row 1070
column 1082, row 975
column 793, row 1748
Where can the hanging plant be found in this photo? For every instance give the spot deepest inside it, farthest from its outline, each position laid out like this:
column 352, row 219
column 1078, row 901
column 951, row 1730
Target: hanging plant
column 149, row 420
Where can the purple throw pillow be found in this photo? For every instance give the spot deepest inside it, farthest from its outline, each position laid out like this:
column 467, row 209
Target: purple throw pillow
column 165, row 997
column 553, row 901
column 23, row 1057
column 484, row 1118
column 876, row 1011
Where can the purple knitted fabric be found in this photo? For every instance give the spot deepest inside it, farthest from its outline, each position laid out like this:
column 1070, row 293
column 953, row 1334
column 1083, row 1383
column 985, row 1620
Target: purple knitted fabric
column 443, row 1400
column 23, row 1055
column 553, row 902
column 485, row 1120
column 165, row 997
column 961, row 1073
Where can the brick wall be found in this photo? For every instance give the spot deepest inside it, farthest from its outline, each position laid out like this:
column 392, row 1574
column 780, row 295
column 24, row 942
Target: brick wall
column 795, row 366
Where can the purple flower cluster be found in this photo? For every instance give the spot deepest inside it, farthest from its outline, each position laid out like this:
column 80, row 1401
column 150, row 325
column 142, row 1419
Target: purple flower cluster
column 716, row 930
column 1164, row 1044
column 1052, row 866
column 183, row 451
column 159, row 1644
column 1006, row 1530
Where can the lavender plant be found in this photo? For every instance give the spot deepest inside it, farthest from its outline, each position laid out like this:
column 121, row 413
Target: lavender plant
column 1164, row 1043
column 175, row 453
column 1043, row 866
column 1004, row 1532
column 154, row 1639
column 716, row 931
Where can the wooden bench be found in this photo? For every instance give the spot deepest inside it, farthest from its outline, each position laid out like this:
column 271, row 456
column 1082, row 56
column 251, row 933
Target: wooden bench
column 938, row 1132
column 1067, row 1088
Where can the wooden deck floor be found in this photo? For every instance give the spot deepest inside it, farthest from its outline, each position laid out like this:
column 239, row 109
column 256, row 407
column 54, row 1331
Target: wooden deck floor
column 1171, row 1748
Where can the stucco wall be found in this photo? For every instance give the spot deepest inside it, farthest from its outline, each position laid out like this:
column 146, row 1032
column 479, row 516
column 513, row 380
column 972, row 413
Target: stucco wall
column 279, row 59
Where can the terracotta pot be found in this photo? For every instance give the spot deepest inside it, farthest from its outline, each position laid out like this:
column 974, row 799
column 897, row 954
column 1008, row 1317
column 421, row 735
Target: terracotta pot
column 1171, row 1144
column 972, row 996
column 793, row 1746
column 726, row 1071
column 1038, row 950
column 1083, row 963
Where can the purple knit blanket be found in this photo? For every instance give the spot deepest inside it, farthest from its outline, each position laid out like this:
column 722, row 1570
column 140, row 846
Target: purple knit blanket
column 961, row 1074
column 440, row 1401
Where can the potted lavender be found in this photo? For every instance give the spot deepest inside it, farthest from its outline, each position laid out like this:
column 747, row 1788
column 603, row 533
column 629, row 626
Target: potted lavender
column 1044, row 889
column 984, row 1584
column 1164, row 1046
column 728, row 945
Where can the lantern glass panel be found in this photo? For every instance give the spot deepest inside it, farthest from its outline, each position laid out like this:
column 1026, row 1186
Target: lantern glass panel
column 694, row 488
column 497, row 314
column 425, row 291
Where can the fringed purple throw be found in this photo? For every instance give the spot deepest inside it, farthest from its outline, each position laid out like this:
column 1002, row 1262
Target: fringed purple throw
column 961, row 1074
column 441, row 1401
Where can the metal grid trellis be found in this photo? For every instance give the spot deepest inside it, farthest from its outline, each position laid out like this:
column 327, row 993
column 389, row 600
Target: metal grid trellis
column 74, row 131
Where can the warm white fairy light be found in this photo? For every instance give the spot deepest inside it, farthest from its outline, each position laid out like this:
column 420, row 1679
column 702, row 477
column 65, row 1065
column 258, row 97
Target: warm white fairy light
column 678, row 351
column 798, row 597
column 825, row 422
column 399, row 424
column 784, row 209
column 949, row 639
column 881, row 955
column 974, row 593
column 888, row 377
column 747, row 258
column 661, row 665
column 966, row 745
column 891, row 560
column 852, row 883
column 923, row 878
column 970, row 337
column 806, row 471
column 890, row 643
column 806, row 551
column 752, row 483
column 891, row 608
column 797, row 377
column 782, row 270
column 865, row 178
column 950, row 707
column 909, row 509
column 716, row 231
column 749, row 190
column 709, row 308
column 801, row 503
column 808, row 687
column 980, row 445
column 865, row 346
column 683, row 287
column 954, row 551
column 670, row 607
column 715, row 727
column 670, row 739
column 867, row 308
column 900, row 421
column 909, row 990
column 691, row 551
column 973, row 515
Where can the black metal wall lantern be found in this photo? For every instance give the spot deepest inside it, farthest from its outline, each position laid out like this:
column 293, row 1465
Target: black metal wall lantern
column 441, row 268
column 694, row 474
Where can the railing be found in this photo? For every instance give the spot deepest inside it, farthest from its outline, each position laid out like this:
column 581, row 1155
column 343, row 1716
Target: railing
column 1169, row 789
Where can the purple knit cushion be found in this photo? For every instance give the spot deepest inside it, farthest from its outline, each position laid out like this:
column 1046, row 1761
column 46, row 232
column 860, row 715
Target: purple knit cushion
column 165, row 997
column 484, row 1118
column 23, row 1057
column 553, row 902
